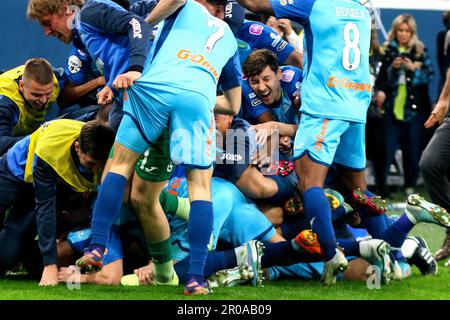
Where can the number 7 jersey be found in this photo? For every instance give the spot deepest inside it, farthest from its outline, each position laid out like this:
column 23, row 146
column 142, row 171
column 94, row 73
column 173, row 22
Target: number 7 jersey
column 190, row 50
column 336, row 83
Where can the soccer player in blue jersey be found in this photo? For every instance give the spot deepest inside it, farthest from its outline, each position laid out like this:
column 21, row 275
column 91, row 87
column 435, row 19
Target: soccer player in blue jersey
column 253, row 35
column 83, row 80
column 196, row 53
column 335, row 94
column 269, row 92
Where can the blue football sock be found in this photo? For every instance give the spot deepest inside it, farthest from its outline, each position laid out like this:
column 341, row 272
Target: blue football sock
column 284, row 253
column 200, row 226
column 216, row 261
column 368, row 193
column 376, row 224
column 318, row 212
column 351, row 247
column 396, row 234
column 338, row 213
column 287, row 186
column 107, row 207
column 399, row 256
column 277, row 253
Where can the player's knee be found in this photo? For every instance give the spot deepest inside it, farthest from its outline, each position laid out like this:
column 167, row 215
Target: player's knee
column 427, row 165
column 139, row 203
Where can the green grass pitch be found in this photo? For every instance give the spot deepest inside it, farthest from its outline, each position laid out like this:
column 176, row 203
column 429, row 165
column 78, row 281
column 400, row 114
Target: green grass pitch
column 417, row 287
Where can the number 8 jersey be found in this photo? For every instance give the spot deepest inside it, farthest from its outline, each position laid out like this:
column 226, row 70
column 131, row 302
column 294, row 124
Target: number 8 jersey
column 336, row 82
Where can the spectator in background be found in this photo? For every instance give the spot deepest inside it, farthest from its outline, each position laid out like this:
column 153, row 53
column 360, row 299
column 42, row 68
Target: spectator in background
column 402, row 90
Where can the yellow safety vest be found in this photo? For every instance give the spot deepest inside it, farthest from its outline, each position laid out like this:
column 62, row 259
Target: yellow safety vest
column 29, row 119
column 52, row 143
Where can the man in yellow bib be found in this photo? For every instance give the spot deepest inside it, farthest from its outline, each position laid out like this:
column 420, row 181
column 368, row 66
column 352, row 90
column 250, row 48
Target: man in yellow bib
column 26, row 95
column 60, row 151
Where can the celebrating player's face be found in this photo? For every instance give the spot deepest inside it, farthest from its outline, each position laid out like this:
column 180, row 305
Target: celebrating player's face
column 267, row 85
column 90, row 164
column 36, row 94
column 57, row 25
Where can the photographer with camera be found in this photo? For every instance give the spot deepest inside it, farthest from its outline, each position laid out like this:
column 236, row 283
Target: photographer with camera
column 402, row 91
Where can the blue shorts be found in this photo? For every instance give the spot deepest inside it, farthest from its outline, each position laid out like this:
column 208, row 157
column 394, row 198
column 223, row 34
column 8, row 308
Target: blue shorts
column 79, row 240
column 246, row 223
column 236, row 219
column 149, row 108
column 329, row 140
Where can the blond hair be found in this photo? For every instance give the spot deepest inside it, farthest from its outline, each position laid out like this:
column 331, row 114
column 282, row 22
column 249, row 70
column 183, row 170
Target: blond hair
column 39, row 8
column 39, row 70
column 414, row 42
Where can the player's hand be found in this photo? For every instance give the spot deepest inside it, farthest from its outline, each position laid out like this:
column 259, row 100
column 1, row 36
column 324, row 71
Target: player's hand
column 64, row 273
column 286, row 25
column 146, row 274
column 285, row 144
column 105, row 96
column 49, row 276
column 264, row 130
column 437, row 115
column 380, row 97
column 68, row 273
column 261, row 158
column 124, row 81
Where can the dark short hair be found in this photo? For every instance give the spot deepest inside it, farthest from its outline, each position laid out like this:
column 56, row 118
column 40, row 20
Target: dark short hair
column 446, row 19
column 218, row 2
column 123, row 3
column 39, row 70
column 258, row 60
column 96, row 139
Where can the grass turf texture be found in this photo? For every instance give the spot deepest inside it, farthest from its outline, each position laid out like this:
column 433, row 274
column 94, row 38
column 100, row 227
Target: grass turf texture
column 417, row 287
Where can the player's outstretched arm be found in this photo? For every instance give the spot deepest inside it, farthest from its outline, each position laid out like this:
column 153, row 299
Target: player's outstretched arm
column 164, row 9
column 230, row 102
column 257, row 6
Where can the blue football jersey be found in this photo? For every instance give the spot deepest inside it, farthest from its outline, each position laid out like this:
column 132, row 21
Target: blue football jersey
column 190, row 50
column 284, row 110
column 254, row 35
column 117, row 40
column 80, row 67
column 336, row 75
